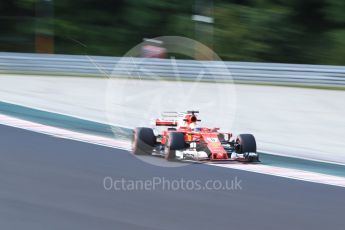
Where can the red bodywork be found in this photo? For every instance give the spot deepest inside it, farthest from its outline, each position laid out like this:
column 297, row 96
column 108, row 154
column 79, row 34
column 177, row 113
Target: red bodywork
column 208, row 138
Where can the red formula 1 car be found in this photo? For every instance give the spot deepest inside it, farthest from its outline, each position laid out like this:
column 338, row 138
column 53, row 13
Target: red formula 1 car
column 183, row 140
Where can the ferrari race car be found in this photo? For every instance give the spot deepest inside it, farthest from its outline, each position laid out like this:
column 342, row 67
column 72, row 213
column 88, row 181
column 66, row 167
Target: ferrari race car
column 181, row 139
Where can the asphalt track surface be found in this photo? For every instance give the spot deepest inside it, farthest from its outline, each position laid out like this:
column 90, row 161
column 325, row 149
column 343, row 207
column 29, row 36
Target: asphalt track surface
column 54, row 183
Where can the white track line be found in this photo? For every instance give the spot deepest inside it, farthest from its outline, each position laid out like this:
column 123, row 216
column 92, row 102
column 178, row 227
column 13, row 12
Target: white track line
column 289, row 173
column 125, row 145
column 63, row 133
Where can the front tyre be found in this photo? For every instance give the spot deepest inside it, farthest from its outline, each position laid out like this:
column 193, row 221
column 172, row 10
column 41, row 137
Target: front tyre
column 246, row 145
column 144, row 141
column 175, row 142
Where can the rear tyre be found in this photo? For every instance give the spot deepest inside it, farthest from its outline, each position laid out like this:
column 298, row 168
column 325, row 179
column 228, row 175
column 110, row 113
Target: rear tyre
column 175, row 142
column 144, row 141
column 246, row 144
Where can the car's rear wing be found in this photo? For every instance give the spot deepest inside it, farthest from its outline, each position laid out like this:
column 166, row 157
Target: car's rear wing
column 172, row 118
column 169, row 119
column 160, row 122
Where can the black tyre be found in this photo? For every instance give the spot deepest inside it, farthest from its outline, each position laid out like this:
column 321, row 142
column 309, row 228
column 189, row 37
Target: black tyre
column 245, row 144
column 175, row 142
column 144, row 141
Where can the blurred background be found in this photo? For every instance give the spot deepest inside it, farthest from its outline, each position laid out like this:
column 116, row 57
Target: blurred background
column 294, row 31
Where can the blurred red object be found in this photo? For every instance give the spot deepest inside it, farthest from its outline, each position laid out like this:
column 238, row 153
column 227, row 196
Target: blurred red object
column 151, row 51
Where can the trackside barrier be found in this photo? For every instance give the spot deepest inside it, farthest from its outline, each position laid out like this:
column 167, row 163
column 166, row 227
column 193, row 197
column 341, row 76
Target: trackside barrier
column 244, row 72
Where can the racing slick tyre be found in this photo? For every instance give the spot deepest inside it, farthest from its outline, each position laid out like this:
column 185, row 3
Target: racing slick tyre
column 175, row 142
column 144, row 141
column 246, row 144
